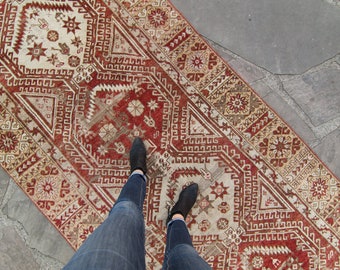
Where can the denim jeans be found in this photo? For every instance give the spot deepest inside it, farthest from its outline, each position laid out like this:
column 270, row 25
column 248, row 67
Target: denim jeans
column 179, row 251
column 119, row 242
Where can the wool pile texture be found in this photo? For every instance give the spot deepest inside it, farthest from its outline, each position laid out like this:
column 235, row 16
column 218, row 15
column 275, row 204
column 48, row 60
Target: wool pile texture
column 79, row 80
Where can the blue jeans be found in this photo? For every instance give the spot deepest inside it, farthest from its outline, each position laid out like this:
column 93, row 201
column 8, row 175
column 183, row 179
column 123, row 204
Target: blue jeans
column 119, row 242
column 179, row 251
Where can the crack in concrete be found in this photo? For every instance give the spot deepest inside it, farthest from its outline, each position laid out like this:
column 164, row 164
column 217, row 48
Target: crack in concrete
column 320, row 131
column 273, row 80
column 333, row 2
column 45, row 261
column 235, row 55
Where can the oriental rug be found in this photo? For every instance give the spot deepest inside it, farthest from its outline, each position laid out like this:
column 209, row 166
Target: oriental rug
column 80, row 79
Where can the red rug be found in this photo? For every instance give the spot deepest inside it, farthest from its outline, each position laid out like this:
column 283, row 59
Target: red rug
column 80, row 79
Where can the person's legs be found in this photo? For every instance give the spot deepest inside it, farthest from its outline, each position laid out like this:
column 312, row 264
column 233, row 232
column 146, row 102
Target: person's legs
column 119, row 242
column 179, row 251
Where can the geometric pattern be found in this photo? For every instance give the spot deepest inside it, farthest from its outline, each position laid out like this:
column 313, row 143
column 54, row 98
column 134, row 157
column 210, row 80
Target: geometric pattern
column 80, row 79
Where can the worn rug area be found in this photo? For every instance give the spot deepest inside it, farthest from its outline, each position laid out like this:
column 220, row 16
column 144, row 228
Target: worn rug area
column 80, row 79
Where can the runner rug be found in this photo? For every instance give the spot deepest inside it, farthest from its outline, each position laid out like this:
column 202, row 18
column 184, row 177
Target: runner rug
column 80, row 79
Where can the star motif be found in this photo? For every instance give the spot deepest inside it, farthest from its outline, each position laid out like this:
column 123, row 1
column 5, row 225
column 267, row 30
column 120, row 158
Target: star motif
column 204, row 204
column 71, row 25
column 53, row 59
column 36, row 51
column 76, row 41
column 219, row 190
column 137, row 131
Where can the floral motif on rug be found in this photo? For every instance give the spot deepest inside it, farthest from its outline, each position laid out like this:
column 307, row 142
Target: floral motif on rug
column 80, row 79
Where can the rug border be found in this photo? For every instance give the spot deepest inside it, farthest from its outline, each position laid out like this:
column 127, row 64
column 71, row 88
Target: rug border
column 235, row 130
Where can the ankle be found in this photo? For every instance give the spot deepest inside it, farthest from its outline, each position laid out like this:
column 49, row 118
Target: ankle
column 137, row 171
column 177, row 216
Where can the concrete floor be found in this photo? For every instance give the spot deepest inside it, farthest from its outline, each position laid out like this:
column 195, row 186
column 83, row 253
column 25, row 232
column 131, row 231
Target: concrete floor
column 288, row 51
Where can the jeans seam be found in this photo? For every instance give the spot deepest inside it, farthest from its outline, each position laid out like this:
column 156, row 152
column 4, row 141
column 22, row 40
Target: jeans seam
column 169, row 248
column 141, row 195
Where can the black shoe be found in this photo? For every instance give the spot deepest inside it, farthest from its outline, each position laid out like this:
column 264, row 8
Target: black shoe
column 138, row 156
column 186, row 201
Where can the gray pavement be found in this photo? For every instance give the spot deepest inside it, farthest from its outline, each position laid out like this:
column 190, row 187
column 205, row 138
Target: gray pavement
column 288, row 51
column 284, row 37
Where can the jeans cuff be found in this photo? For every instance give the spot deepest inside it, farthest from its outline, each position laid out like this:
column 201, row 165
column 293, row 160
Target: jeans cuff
column 175, row 219
column 143, row 175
